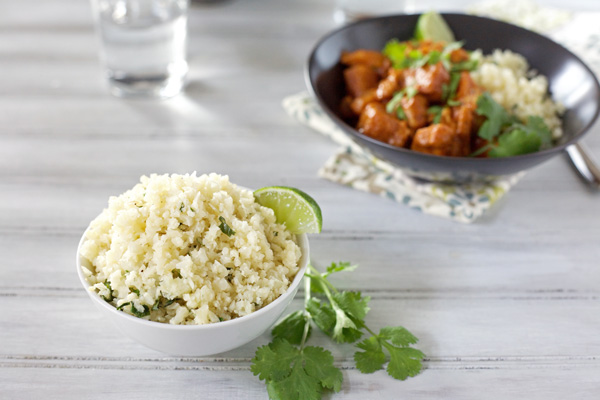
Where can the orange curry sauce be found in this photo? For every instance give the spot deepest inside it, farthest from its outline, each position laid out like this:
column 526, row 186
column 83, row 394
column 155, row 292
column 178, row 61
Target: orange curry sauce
column 372, row 81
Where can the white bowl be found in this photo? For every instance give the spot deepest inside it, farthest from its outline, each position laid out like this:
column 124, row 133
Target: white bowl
column 198, row 340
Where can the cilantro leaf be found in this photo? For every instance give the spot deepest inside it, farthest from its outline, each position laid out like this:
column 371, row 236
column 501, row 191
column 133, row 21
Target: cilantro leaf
column 404, row 361
column 515, row 142
column 507, row 136
column 110, row 296
column 341, row 266
column 322, row 314
column 522, row 139
column 297, row 385
column 316, row 283
column 144, row 313
column 226, row 229
column 354, row 305
column 398, row 336
column 291, row 328
column 318, row 363
column 345, row 330
column 372, row 358
column 295, row 374
column 273, row 361
column 396, row 52
column 497, row 117
column 334, row 321
column 538, row 125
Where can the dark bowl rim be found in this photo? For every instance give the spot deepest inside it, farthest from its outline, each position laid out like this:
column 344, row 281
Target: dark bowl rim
column 471, row 160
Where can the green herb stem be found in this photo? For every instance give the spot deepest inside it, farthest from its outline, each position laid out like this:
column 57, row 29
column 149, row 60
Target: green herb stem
column 307, row 297
column 322, row 278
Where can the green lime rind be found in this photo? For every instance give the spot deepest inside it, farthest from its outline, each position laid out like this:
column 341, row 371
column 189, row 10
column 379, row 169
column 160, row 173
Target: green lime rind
column 299, row 212
column 432, row 26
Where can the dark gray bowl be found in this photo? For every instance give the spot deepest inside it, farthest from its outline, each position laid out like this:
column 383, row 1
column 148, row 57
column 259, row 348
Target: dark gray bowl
column 571, row 82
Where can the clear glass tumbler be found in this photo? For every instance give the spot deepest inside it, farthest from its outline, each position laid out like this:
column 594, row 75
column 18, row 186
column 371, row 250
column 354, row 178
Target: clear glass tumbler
column 143, row 45
column 351, row 10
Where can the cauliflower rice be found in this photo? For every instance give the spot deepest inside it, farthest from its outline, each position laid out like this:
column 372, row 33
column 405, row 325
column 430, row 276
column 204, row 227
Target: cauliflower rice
column 163, row 251
column 506, row 76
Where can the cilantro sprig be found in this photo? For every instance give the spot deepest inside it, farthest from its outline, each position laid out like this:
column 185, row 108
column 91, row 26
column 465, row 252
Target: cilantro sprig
column 402, row 56
column 505, row 134
column 292, row 370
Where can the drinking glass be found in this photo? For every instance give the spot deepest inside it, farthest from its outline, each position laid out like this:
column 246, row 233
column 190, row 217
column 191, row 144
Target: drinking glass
column 143, row 45
column 351, row 10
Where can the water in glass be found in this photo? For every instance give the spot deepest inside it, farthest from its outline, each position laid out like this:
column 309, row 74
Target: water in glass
column 144, row 45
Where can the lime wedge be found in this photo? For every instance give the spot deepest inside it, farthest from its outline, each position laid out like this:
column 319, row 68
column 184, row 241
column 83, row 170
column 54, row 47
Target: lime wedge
column 299, row 212
column 431, row 26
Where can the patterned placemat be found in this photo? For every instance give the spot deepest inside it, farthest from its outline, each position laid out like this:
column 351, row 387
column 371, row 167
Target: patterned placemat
column 352, row 166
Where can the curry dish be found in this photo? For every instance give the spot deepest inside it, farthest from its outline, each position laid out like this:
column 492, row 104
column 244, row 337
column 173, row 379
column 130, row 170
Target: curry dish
column 423, row 99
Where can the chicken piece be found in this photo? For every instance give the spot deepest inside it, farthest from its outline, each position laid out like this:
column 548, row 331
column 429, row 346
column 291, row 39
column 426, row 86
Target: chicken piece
column 426, row 46
column 459, row 55
column 390, row 85
column 346, row 108
column 463, row 115
column 467, row 91
column 415, row 109
column 359, row 103
column 370, row 58
column 402, row 136
column 446, row 118
column 428, row 80
column 359, row 79
column 440, row 140
column 375, row 122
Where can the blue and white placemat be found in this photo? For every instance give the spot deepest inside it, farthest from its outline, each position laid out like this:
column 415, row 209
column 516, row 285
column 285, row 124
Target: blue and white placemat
column 354, row 167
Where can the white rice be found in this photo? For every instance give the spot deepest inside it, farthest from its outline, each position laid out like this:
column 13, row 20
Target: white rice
column 506, row 76
column 163, row 240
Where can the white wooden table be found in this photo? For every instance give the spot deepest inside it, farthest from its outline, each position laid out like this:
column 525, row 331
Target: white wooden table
column 506, row 308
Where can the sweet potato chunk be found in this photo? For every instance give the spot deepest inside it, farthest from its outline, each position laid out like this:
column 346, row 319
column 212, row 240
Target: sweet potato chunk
column 375, row 122
column 440, row 140
column 359, row 79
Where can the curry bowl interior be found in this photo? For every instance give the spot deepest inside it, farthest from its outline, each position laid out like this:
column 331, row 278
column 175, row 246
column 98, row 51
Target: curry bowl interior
column 571, row 83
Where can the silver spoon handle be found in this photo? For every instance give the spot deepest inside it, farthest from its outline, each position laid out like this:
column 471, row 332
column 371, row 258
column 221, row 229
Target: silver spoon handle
column 583, row 163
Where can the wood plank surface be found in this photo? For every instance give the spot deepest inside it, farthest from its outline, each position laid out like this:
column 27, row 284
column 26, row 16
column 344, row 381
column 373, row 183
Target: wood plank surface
column 505, row 308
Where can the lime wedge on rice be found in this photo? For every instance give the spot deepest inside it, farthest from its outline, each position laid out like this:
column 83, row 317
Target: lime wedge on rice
column 299, row 212
column 431, row 26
